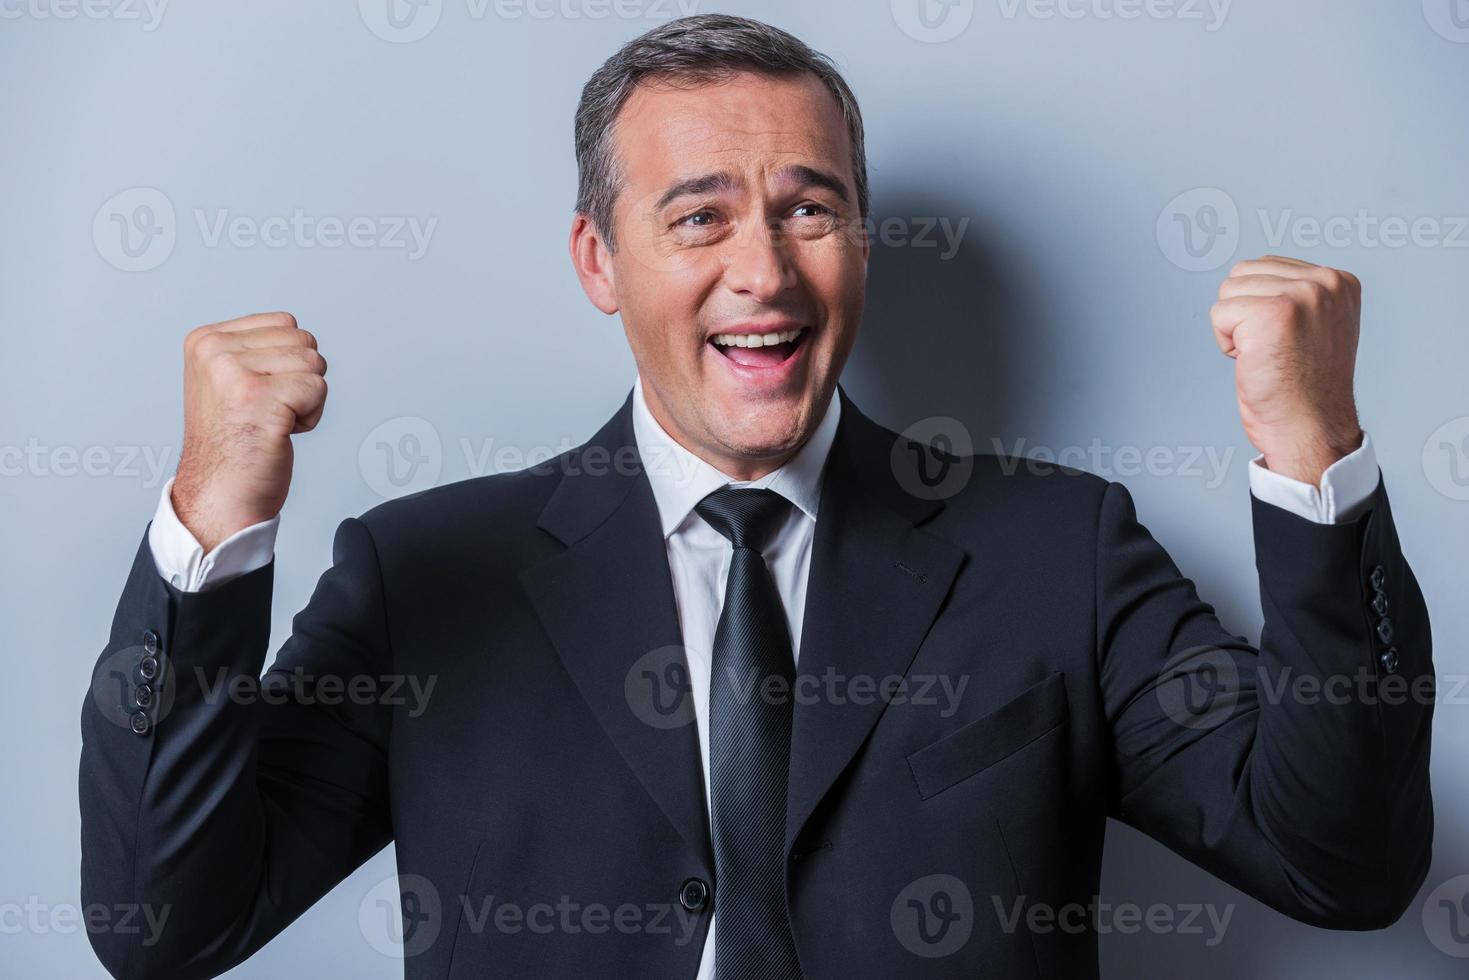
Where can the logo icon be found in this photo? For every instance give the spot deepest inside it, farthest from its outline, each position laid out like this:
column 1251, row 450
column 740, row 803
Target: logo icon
column 658, row 690
column 400, row 21
column 1446, row 459
column 401, row 915
column 130, row 682
column 401, row 456
column 1446, row 917
column 1199, row 229
column 933, row 458
column 932, row 21
column 933, row 916
column 1448, row 18
column 135, row 229
column 1199, row 687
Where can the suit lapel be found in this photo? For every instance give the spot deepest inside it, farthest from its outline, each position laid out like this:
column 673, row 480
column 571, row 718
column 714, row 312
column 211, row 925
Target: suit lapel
column 607, row 603
column 876, row 583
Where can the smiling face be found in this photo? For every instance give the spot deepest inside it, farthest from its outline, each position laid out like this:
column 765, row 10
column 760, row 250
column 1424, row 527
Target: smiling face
column 740, row 266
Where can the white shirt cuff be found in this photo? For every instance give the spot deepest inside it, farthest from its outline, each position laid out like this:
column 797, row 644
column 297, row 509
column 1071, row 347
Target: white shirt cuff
column 181, row 560
column 1346, row 486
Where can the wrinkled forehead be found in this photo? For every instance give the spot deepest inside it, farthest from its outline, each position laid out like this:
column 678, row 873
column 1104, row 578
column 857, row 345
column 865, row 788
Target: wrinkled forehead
column 752, row 127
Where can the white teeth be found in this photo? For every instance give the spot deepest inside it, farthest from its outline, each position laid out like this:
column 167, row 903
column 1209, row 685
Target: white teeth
column 756, row 339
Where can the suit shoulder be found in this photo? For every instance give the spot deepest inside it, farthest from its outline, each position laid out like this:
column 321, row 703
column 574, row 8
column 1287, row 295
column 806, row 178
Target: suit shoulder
column 494, row 508
column 926, row 469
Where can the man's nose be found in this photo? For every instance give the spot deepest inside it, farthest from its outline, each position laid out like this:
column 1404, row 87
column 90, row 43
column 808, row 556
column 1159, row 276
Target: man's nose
column 758, row 262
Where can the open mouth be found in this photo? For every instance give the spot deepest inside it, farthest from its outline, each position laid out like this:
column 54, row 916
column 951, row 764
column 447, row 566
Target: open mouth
column 761, row 350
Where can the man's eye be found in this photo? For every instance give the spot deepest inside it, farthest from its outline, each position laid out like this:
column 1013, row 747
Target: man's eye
column 689, row 220
column 821, row 209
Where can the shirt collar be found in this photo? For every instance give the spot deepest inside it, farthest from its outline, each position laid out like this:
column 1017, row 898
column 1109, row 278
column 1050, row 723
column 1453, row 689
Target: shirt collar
column 680, row 479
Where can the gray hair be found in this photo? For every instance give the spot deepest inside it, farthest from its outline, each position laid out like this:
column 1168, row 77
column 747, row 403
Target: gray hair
column 697, row 50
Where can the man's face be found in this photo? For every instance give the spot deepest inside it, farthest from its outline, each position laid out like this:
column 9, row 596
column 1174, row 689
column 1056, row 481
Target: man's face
column 736, row 224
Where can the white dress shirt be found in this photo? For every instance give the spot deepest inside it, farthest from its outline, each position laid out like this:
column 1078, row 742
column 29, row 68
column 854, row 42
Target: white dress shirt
column 699, row 556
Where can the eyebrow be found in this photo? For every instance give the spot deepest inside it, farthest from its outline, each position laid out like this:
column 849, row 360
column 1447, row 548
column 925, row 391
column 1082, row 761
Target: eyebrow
column 715, row 183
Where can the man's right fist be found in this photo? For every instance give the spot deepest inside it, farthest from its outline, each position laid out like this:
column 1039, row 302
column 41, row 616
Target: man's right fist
column 249, row 384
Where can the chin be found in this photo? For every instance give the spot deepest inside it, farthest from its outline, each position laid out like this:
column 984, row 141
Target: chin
column 766, row 431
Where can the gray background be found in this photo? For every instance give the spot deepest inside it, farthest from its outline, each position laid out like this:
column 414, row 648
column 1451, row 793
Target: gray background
column 1071, row 314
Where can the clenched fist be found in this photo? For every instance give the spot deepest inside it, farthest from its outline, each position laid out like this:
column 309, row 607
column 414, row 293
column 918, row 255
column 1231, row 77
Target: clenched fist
column 1292, row 328
column 249, row 385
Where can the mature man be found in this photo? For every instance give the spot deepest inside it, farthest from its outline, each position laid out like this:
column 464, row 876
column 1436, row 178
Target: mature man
column 735, row 689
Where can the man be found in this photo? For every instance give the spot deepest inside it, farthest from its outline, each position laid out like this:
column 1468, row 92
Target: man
column 736, row 689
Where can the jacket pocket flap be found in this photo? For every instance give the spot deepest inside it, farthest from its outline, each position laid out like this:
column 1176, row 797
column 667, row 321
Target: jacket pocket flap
column 985, row 741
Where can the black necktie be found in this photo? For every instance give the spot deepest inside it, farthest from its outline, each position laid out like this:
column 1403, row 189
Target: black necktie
column 749, row 746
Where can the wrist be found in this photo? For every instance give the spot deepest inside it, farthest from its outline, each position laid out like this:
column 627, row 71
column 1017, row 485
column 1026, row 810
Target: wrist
column 1308, row 459
column 201, row 514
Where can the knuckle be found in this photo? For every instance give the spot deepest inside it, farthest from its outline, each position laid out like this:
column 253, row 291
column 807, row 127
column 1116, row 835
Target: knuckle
column 194, row 338
column 209, row 346
column 252, row 387
column 1279, row 309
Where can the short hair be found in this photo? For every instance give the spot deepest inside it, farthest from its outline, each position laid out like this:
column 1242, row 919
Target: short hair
column 701, row 49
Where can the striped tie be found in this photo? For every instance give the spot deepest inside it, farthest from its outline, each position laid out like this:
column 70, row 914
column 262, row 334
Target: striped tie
column 749, row 746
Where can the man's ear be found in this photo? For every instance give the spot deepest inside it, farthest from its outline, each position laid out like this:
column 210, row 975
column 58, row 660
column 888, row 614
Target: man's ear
column 593, row 264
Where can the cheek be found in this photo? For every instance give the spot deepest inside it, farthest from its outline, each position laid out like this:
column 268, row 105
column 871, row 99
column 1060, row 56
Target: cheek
column 836, row 277
column 661, row 311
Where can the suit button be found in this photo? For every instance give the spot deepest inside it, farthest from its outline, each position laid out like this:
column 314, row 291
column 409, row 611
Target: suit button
column 1389, row 660
column 1384, row 629
column 150, row 642
column 693, row 894
column 143, row 695
column 1379, row 575
column 140, row 722
column 1379, row 603
column 148, row 668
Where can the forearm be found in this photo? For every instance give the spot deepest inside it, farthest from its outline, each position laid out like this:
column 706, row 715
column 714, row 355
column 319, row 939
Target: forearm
column 170, row 816
column 1283, row 769
column 214, row 812
column 1339, row 770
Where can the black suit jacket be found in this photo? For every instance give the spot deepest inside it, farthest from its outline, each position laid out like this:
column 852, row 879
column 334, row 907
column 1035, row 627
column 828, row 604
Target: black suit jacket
column 545, row 799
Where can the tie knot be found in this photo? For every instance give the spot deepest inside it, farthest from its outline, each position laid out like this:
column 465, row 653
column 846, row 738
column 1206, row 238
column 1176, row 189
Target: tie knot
column 746, row 517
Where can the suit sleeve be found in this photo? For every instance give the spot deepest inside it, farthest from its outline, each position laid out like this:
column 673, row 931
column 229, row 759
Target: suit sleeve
column 1296, row 771
column 223, row 803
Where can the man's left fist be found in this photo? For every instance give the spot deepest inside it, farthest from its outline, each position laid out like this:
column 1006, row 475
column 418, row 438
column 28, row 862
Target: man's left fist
column 1291, row 328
